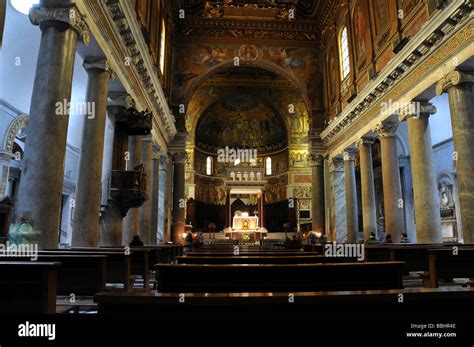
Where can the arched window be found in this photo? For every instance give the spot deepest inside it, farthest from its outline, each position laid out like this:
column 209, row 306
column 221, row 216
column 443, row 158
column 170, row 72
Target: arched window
column 344, row 53
column 268, row 166
column 162, row 46
column 209, row 166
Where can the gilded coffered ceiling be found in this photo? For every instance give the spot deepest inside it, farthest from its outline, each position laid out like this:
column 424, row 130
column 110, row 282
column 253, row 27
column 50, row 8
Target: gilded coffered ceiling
column 297, row 20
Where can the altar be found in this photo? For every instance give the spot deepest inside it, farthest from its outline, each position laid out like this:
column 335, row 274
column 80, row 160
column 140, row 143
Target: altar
column 245, row 228
column 245, row 223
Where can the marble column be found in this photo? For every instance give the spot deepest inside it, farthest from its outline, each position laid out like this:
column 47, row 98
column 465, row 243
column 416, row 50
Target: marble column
column 85, row 228
column 164, row 200
column 338, row 200
column 460, row 88
column 40, row 192
column 179, row 201
column 317, row 194
column 131, row 224
column 369, row 211
column 145, row 209
column 155, row 194
column 393, row 201
column 425, row 190
column 111, row 220
column 228, row 218
column 262, row 210
column 352, row 219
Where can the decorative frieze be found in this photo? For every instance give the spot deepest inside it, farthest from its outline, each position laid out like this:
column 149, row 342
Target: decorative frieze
column 118, row 25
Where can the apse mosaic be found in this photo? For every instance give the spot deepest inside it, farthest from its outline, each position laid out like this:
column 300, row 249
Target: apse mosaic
column 241, row 122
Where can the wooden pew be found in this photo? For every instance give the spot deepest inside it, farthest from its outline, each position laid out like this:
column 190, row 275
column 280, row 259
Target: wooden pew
column 252, row 254
column 266, row 277
column 383, row 252
column 168, row 253
column 118, row 264
column 243, row 249
column 283, row 259
column 444, row 264
column 274, row 305
column 138, row 259
column 28, row 287
column 81, row 275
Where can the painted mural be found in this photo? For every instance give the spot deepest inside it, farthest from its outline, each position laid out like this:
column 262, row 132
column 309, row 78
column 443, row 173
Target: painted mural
column 275, row 190
column 194, row 60
column 361, row 22
column 210, row 191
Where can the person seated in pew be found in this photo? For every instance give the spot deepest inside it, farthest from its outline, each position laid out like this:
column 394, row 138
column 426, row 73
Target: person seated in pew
column 313, row 238
column 136, row 241
column 405, row 238
column 372, row 239
column 388, row 238
column 200, row 239
column 189, row 241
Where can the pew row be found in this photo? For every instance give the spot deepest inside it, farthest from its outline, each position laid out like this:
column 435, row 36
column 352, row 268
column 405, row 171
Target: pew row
column 252, row 254
column 28, row 287
column 273, row 305
column 277, row 277
column 117, row 264
column 446, row 264
column 283, row 259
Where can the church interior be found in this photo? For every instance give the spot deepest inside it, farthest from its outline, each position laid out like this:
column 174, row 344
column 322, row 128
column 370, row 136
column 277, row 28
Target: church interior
column 235, row 158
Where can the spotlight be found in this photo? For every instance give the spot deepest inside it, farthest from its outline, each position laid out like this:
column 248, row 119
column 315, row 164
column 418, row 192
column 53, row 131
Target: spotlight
column 23, row 6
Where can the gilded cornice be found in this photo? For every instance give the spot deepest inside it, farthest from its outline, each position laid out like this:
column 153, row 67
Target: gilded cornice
column 114, row 25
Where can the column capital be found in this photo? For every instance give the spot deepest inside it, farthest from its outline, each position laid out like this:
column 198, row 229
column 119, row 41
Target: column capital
column 386, row 128
column 452, row 79
column 365, row 141
column 102, row 65
column 147, row 138
column 164, row 161
column 69, row 14
column 421, row 109
column 179, row 157
column 336, row 164
column 349, row 154
column 316, row 159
